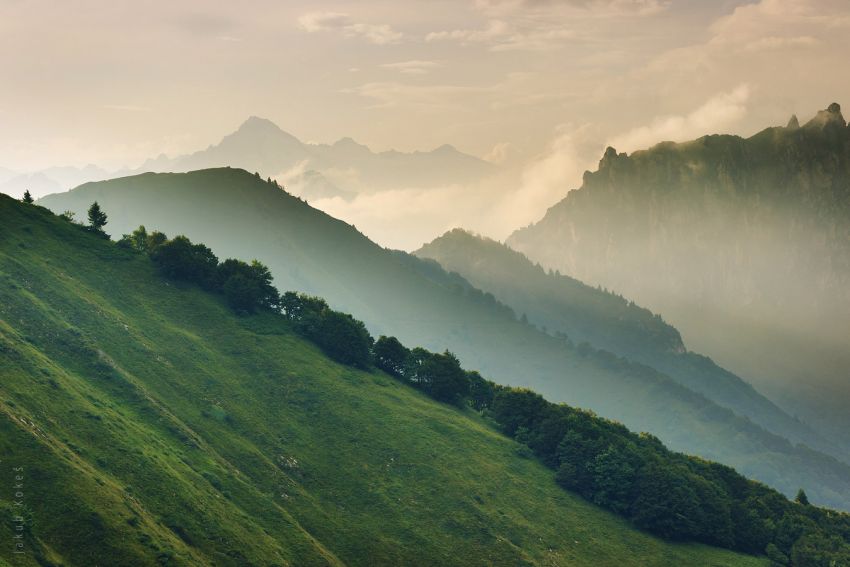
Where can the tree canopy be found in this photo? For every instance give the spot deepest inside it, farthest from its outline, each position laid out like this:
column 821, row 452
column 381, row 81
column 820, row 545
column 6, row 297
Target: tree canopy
column 97, row 218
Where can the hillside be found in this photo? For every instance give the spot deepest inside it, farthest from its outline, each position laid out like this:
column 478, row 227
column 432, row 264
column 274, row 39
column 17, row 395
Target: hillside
column 240, row 215
column 562, row 304
column 742, row 244
column 154, row 427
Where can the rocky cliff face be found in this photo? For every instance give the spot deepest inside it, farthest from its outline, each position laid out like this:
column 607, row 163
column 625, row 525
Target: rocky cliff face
column 720, row 220
column 726, row 237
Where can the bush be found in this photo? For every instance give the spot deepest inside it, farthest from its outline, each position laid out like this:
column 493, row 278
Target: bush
column 179, row 259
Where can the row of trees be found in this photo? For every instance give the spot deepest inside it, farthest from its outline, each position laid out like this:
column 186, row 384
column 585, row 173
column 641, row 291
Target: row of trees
column 669, row 494
column 439, row 375
column 246, row 287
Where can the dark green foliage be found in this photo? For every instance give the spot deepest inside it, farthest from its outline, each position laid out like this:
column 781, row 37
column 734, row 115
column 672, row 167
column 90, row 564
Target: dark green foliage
column 391, row 356
column 179, row 259
column 97, row 218
column 801, row 498
column 247, row 287
column 669, row 494
column 155, row 240
column 481, row 391
column 340, row 335
column 438, row 375
column 27, row 197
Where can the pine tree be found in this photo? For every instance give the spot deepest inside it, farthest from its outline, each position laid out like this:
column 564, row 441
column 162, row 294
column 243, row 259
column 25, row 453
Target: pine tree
column 97, row 218
column 802, row 498
column 27, row 197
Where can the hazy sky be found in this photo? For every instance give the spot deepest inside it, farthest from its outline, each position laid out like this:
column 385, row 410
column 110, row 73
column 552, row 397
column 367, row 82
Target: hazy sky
column 539, row 84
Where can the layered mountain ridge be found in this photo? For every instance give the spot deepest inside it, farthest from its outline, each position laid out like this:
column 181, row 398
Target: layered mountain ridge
column 743, row 244
column 240, row 215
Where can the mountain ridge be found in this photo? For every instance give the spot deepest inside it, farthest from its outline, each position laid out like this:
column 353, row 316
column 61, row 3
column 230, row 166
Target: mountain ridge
column 149, row 420
column 741, row 242
column 238, row 214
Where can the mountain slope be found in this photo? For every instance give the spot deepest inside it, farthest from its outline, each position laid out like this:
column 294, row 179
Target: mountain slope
column 564, row 305
column 743, row 244
column 154, row 427
column 240, row 215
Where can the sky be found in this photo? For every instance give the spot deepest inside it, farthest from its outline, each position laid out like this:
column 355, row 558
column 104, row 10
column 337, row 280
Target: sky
column 537, row 86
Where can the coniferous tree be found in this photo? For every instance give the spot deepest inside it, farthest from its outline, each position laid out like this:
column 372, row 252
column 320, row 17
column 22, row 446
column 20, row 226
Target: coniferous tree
column 802, row 498
column 27, row 197
column 97, row 218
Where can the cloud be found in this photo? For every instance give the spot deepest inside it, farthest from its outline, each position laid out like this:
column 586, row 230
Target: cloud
column 501, row 36
column 379, row 34
column 775, row 42
column 541, row 25
column 598, row 8
column 414, row 67
column 127, row 107
column 394, row 94
column 547, row 179
column 718, row 113
column 501, row 153
column 495, row 30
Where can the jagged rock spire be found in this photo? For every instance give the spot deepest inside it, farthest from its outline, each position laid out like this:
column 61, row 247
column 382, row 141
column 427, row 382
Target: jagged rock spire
column 793, row 123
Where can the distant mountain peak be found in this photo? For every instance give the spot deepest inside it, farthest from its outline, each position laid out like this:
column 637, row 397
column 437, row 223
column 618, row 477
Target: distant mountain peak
column 446, row 148
column 793, row 123
column 832, row 115
column 256, row 122
column 349, row 142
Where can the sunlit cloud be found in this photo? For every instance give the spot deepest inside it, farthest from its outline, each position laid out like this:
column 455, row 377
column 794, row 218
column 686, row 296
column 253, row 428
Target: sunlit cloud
column 414, row 67
column 714, row 116
column 379, row 34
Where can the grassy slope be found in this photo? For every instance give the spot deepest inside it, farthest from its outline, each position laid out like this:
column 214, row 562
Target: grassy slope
column 155, row 426
column 239, row 215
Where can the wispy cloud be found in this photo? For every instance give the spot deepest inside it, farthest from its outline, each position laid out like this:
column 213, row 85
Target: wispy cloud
column 716, row 114
column 498, row 35
column 127, row 107
column 413, row 67
column 379, row 34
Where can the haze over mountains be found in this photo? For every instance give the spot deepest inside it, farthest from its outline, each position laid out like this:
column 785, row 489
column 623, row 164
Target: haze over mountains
column 743, row 244
column 239, row 214
column 312, row 171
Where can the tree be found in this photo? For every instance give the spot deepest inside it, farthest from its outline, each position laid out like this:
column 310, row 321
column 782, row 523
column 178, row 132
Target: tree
column 339, row 335
column 154, row 240
column 139, row 239
column 97, row 218
column 438, row 375
column 481, row 391
column 391, row 356
column 344, row 338
column 613, row 477
column 179, row 259
column 247, row 287
column 801, row 498
column 27, row 197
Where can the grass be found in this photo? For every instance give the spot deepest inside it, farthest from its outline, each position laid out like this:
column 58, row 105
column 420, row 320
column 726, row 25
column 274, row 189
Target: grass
column 155, row 427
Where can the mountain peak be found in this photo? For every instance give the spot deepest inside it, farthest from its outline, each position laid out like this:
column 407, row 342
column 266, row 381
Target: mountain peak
column 446, row 148
column 824, row 118
column 348, row 142
column 793, row 123
column 257, row 124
